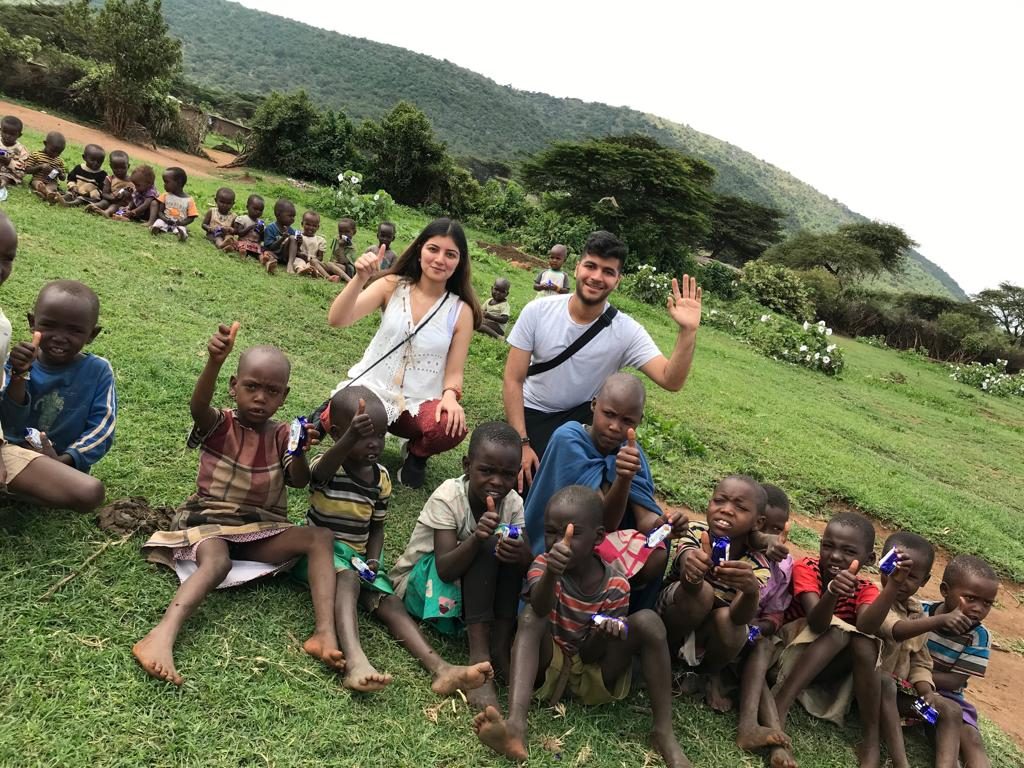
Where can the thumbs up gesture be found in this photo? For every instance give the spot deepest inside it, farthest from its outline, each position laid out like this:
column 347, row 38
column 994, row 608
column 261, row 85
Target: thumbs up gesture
column 957, row 622
column 24, row 354
column 777, row 551
column 844, row 583
column 222, row 342
column 627, row 460
column 697, row 562
column 560, row 554
column 488, row 521
column 361, row 424
column 368, row 264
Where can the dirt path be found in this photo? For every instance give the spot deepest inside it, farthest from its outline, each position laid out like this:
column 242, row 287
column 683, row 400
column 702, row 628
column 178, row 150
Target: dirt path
column 82, row 134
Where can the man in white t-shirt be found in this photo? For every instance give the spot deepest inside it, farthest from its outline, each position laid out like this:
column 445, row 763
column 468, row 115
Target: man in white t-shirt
column 537, row 405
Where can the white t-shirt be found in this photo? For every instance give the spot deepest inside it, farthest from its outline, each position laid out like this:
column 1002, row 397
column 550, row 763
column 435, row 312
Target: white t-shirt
column 5, row 348
column 545, row 328
column 448, row 509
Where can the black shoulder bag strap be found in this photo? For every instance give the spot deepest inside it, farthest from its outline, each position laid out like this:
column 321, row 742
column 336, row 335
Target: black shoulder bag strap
column 599, row 325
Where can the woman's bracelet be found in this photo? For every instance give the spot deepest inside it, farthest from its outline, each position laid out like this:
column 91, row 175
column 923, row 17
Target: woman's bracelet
column 456, row 390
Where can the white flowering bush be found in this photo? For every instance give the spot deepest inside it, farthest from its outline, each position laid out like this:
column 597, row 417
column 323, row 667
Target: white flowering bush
column 808, row 345
column 991, row 378
column 347, row 199
column 648, row 285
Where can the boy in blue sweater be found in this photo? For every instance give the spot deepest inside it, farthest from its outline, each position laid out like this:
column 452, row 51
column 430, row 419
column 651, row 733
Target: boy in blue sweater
column 57, row 389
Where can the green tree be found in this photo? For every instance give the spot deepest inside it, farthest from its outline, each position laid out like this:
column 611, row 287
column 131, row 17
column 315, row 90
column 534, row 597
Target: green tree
column 135, row 59
column 404, row 155
column 741, row 230
column 1006, row 305
column 889, row 241
column 655, row 198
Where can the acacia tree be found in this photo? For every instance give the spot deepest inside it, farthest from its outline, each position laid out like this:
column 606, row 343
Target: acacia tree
column 657, row 199
column 1006, row 305
column 741, row 230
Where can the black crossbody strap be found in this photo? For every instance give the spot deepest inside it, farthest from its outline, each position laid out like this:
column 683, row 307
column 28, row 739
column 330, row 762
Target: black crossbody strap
column 599, row 325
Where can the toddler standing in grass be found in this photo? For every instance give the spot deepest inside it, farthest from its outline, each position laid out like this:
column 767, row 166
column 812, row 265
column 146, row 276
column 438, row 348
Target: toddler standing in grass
column 47, row 168
column 219, row 221
column 12, row 153
column 350, row 494
column 176, row 210
column 386, row 232
column 235, row 527
column 553, row 280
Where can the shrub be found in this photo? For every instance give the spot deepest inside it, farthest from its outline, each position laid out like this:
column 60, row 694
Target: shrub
column 719, row 279
column 546, row 227
column 991, row 378
column 346, row 200
column 778, row 288
column 648, row 285
column 504, row 206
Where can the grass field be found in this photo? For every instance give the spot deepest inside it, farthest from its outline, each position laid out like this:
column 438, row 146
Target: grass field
column 893, row 436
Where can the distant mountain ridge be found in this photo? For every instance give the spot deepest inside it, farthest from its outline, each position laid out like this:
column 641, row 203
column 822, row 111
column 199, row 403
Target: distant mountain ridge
column 236, row 48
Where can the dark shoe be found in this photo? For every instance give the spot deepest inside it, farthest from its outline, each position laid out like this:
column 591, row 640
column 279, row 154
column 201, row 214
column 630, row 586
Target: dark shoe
column 413, row 472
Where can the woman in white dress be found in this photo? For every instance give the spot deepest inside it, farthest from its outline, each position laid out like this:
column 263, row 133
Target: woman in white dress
column 415, row 362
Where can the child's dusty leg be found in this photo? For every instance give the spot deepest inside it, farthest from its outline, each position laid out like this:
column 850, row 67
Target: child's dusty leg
column 686, row 611
column 723, row 640
column 889, row 722
column 479, row 590
column 947, row 733
column 447, row 678
column 53, row 483
column 318, row 545
column 360, row 675
column 506, row 605
column 867, row 688
column 153, row 212
column 972, row 748
column 750, row 734
column 654, row 567
column 815, row 657
column 530, row 651
column 155, row 652
column 779, row 757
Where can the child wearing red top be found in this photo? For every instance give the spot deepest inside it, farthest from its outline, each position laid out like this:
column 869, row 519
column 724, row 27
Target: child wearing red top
column 827, row 661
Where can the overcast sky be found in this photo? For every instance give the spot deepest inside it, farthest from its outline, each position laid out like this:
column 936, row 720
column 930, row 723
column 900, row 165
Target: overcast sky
column 908, row 112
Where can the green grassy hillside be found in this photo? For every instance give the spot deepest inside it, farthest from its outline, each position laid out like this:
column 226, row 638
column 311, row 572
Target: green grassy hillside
column 878, row 437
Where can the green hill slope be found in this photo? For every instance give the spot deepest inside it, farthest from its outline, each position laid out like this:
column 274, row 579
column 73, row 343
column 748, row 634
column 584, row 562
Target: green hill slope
column 474, row 115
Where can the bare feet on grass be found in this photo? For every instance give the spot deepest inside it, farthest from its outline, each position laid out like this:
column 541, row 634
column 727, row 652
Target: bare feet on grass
column 758, row 737
column 482, row 696
column 493, row 730
column 155, row 655
column 781, row 758
column 450, row 679
column 713, row 694
column 364, row 678
column 326, row 650
column 668, row 747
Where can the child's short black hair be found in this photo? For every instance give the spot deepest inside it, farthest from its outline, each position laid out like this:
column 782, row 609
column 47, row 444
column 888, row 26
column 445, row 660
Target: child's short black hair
column 961, row 565
column 861, row 524
column 582, row 499
column 283, row 204
column 144, row 176
column 912, row 542
column 607, row 246
column 775, row 497
column 388, row 224
column 311, row 213
column 74, row 288
column 54, row 137
column 496, row 432
column 347, row 221
column 760, row 497
column 229, row 190
column 119, row 155
column 13, row 123
column 345, row 403
column 624, row 383
column 252, row 199
column 94, row 149
column 178, row 174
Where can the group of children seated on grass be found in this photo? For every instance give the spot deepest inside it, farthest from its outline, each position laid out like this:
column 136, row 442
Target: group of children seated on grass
column 558, row 595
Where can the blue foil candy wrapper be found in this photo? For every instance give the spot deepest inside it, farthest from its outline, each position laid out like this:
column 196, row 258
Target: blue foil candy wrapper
column 925, row 710
column 753, row 635
column 297, row 436
column 599, row 619
column 658, row 535
column 365, row 572
column 719, row 550
column 34, row 438
column 889, row 561
column 505, row 531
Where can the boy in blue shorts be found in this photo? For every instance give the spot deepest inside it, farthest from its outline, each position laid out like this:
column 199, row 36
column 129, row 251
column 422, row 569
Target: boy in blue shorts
column 350, row 494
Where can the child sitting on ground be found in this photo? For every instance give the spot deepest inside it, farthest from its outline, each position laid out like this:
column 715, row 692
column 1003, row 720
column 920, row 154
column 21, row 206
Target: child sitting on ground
column 574, row 633
column 711, row 596
column 47, row 168
column 343, row 251
column 350, row 494
column 176, row 210
column 822, row 643
column 759, row 726
column 496, row 310
column 249, row 228
column 12, row 154
column 27, row 471
column 459, row 569
column 906, row 666
column 309, row 251
column 959, row 643
column 279, row 237
column 144, row 205
column 553, row 280
column 66, row 394
column 219, row 221
column 85, row 182
column 386, row 232
column 235, row 527
column 607, row 458
column 117, row 187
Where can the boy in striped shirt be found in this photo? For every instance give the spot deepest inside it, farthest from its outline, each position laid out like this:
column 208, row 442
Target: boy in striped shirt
column 47, row 168
column 969, row 587
column 575, row 634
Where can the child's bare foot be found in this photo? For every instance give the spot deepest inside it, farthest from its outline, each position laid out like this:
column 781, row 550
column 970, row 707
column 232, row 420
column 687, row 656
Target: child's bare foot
column 155, row 655
column 713, row 695
column 758, row 737
column 364, row 678
column 450, row 679
column 482, row 697
column 328, row 652
column 869, row 755
column 669, row 749
column 781, row 758
column 493, row 730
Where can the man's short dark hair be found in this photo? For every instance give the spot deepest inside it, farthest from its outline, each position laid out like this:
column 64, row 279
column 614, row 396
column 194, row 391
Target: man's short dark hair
column 607, row 246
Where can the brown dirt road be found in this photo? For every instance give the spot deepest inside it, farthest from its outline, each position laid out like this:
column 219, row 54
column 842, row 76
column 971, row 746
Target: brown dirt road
column 83, row 134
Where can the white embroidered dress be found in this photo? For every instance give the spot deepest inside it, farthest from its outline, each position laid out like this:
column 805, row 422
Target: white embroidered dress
column 413, row 373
